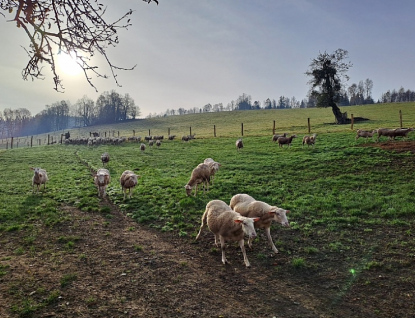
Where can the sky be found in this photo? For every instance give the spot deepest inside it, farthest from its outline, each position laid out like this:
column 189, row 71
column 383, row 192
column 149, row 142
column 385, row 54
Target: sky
column 190, row 53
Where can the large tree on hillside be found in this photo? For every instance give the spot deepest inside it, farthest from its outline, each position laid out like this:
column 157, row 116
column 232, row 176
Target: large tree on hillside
column 75, row 27
column 327, row 72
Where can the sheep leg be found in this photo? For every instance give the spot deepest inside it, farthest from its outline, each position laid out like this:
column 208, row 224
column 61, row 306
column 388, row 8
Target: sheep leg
column 250, row 242
column 204, row 220
column 222, row 247
column 242, row 246
column 268, row 233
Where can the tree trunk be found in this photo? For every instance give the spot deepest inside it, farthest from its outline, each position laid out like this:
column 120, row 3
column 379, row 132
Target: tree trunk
column 340, row 118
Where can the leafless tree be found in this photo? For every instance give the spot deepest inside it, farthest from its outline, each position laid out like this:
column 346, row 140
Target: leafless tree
column 74, row 27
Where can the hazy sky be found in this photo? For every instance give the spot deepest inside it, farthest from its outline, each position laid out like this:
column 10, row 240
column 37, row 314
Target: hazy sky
column 190, row 53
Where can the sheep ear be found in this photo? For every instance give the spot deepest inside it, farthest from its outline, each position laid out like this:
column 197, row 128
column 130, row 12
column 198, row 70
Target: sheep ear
column 238, row 221
column 32, row 168
column 272, row 212
column 287, row 211
column 256, row 219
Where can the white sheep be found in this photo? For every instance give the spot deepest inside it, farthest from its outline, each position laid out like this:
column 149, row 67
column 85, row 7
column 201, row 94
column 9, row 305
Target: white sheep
column 365, row 133
column 239, row 144
column 309, row 140
column 249, row 207
column 128, row 180
column 40, row 177
column 227, row 225
column 105, row 158
column 200, row 174
column 213, row 166
column 102, row 179
column 285, row 140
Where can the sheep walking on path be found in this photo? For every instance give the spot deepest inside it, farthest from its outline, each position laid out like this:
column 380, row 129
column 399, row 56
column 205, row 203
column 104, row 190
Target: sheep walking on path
column 249, row 207
column 128, row 180
column 105, row 158
column 200, row 174
column 239, row 144
column 101, row 180
column 227, row 225
column 39, row 177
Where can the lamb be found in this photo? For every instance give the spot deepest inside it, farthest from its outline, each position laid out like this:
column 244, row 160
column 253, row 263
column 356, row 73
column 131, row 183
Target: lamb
column 40, row 177
column 239, row 144
column 275, row 137
column 227, row 225
column 105, row 158
column 158, row 143
column 249, row 207
column 143, row 147
column 365, row 133
column 309, row 140
column 200, row 174
column 213, row 166
column 286, row 140
column 101, row 180
column 128, row 180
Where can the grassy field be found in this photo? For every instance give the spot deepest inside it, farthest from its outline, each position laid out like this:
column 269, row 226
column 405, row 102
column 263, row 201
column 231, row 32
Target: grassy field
column 340, row 194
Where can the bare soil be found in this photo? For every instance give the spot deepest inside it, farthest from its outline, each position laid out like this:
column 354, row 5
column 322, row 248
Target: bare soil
column 93, row 265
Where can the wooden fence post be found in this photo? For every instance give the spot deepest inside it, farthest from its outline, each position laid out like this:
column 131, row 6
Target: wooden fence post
column 400, row 117
column 242, row 129
column 273, row 129
column 168, row 131
column 190, row 130
column 11, row 143
column 214, row 130
column 133, row 132
column 31, row 142
column 352, row 121
column 48, row 140
column 149, row 132
column 309, row 126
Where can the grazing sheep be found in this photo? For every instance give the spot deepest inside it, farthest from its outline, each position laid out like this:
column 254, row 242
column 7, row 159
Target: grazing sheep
column 102, row 179
column 213, row 166
column 185, row 138
column 200, row 174
column 365, row 133
column 309, row 140
column 286, row 140
column 385, row 132
column 105, row 158
column 171, row 137
column 40, row 177
column 239, row 144
column 402, row 132
column 158, row 143
column 128, row 180
column 151, row 143
column 275, row 137
column 249, row 207
column 142, row 147
column 227, row 225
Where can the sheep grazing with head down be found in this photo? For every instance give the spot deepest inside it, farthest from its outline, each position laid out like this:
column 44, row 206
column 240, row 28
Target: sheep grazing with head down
column 239, row 144
column 309, row 140
column 39, row 177
column 102, row 179
column 105, row 158
column 227, row 225
column 286, row 140
column 200, row 174
column 128, row 180
column 213, row 166
column 249, row 207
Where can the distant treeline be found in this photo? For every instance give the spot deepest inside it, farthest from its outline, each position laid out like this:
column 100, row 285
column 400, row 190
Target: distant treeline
column 111, row 107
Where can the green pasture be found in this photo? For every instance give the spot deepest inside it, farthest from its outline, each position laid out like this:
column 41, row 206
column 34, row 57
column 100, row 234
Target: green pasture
column 335, row 183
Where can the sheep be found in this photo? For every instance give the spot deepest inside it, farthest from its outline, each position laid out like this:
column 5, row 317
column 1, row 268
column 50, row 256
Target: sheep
column 385, row 132
column 275, row 137
column 151, row 143
column 40, row 177
column 171, row 137
column 239, row 144
column 102, row 179
column 105, row 158
column 249, row 207
column 227, row 225
column 309, row 140
column 213, row 166
column 285, row 140
column 128, row 180
column 142, row 147
column 158, row 143
column 402, row 132
column 200, row 174
column 185, row 138
column 365, row 133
